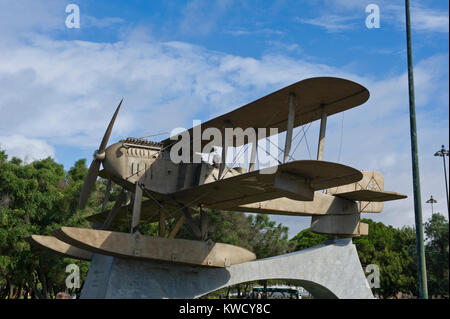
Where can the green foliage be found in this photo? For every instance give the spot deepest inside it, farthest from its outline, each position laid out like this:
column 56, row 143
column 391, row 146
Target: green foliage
column 387, row 247
column 220, row 224
column 307, row 239
column 3, row 156
column 394, row 252
column 256, row 233
column 269, row 239
column 36, row 198
column 437, row 255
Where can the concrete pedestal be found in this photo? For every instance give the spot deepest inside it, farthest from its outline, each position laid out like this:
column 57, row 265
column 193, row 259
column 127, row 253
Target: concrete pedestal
column 332, row 270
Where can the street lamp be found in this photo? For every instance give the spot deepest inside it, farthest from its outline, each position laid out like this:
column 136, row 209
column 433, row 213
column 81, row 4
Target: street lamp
column 421, row 263
column 431, row 201
column 442, row 153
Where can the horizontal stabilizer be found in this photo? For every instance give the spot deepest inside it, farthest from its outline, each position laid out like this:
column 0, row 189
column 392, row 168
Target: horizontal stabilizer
column 371, row 196
column 369, row 192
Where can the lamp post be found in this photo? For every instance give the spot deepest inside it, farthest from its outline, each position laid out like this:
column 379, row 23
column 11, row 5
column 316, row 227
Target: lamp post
column 442, row 153
column 431, row 201
column 421, row 264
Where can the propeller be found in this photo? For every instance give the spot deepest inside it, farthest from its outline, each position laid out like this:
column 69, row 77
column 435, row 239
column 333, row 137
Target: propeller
column 99, row 156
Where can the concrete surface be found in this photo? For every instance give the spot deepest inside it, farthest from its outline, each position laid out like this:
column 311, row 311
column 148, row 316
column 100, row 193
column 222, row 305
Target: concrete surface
column 332, row 270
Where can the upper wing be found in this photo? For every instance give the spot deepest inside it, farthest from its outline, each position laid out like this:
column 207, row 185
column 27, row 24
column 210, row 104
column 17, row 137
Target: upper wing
column 312, row 96
column 296, row 180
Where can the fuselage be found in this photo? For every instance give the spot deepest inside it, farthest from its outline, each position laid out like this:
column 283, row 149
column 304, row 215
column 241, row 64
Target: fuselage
column 134, row 160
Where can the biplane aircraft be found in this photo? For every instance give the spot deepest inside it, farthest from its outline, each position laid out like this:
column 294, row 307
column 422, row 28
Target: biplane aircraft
column 155, row 188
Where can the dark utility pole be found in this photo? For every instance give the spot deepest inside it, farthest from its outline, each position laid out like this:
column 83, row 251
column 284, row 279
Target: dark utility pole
column 421, row 265
column 442, row 153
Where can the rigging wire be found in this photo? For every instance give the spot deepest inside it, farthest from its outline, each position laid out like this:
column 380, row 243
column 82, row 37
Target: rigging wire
column 301, row 139
column 157, row 134
column 268, row 153
column 307, row 146
column 279, row 148
column 234, row 161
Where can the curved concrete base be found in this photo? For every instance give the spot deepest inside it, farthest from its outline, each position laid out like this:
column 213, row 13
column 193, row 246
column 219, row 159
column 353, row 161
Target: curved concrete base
column 332, row 270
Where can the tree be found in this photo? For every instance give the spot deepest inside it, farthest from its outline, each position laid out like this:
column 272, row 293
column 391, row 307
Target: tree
column 388, row 248
column 437, row 255
column 307, row 239
column 256, row 233
column 385, row 246
column 36, row 198
column 268, row 238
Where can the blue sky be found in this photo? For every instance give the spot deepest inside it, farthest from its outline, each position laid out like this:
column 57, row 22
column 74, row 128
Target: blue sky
column 175, row 61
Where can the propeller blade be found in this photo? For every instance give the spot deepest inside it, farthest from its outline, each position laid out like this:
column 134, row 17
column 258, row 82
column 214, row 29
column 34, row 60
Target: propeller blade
column 108, row 130
column 107, row 193
column 89, row 182
column 113, row 212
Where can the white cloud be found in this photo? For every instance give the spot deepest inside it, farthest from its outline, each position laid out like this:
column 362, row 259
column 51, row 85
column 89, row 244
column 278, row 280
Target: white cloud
column 342, row 15
column 30, row 16
column 27, row 149
column 263, row 31
column 89, row 21
column 332, row 22
column 68, row 90
column 429, row 20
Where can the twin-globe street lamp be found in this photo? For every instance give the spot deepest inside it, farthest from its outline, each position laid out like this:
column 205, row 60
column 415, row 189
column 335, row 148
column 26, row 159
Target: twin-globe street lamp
column 431, row 201
column 442, row 153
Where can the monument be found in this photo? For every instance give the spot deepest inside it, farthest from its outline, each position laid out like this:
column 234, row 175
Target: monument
column 177, row 184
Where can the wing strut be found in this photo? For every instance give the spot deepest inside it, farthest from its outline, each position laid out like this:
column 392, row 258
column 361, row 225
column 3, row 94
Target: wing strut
column 225, row 145
column 177, row 226
column 137, row 203
column 323, row 126
column 290, row 126
column 251, row 167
